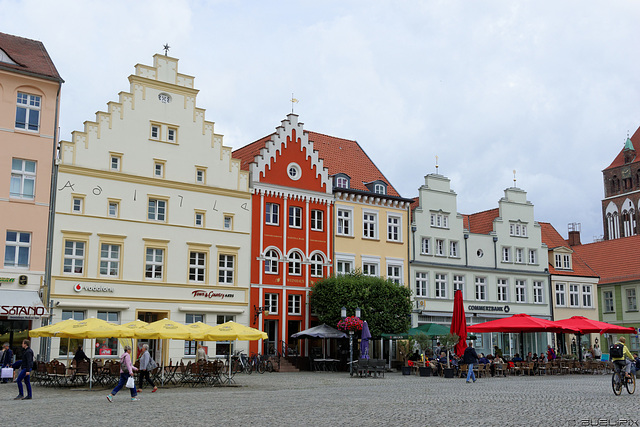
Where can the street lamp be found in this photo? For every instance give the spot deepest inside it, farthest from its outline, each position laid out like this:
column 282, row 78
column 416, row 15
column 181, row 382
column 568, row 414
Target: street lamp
column 358, row 312
column 343, row 313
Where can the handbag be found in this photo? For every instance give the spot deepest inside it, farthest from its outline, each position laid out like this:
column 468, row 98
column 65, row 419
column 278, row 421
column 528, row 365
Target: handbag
column 151, row 365
column 7, row 373
column 131, row 383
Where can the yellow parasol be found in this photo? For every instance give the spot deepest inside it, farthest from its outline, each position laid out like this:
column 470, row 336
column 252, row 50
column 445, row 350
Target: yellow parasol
column 129, row 341
column 163, row 329
column 51, row 330
column 199, row 331
column 94, row 328
column 231, row 331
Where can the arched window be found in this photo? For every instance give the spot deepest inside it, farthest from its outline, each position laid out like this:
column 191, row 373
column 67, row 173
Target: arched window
column 271, row 262
column 295, row 263
column 316, row 265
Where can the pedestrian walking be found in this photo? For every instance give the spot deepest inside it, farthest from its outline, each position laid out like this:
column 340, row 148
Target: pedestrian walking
column 470, row 357
column 126, row 371
column 25, row 372
column 6, row 360
column 145, row 367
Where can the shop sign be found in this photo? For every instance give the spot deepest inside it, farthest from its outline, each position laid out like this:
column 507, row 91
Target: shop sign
column 21, row 310
column 504, row 309
column 211, row 294
column 92, row 288
column 7, row 279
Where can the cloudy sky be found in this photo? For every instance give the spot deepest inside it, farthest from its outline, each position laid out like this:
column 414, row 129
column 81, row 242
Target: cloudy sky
column 548, row 88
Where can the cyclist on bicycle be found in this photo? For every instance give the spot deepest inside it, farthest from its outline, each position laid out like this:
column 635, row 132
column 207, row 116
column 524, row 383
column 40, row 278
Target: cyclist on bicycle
column 625, row 360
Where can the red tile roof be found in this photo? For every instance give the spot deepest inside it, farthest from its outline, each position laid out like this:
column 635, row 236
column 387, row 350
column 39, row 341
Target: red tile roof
column 615, row 260
column 619, row 160
column 553, row 239
column 480, row 222
column 29, row 55
column 338, row 155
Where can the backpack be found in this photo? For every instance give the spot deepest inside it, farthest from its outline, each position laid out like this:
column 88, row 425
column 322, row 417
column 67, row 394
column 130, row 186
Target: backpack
column 616, row 350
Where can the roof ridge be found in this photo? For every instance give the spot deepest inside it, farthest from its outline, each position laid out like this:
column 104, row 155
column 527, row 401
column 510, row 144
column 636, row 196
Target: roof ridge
column 331, row 136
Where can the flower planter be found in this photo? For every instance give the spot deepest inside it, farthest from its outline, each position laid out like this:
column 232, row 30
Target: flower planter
column 448, row 372
column 425, row 371
column 406, row 370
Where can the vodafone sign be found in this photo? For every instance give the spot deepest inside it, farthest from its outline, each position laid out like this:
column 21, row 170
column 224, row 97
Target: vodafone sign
column 78, row 287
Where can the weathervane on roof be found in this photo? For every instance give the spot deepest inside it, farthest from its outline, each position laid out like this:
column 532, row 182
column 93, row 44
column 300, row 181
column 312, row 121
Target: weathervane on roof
column 293, row 101
column 514, row 178
column 166, row 48
column 436, row 165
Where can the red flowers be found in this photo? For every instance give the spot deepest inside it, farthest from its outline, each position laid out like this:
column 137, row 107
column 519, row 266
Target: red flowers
column 352, row 323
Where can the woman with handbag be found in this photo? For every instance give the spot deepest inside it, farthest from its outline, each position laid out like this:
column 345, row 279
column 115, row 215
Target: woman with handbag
column 146, row 364
column 126, row 376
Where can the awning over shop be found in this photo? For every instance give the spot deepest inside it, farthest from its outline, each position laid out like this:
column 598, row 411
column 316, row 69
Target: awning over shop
column 21, row 304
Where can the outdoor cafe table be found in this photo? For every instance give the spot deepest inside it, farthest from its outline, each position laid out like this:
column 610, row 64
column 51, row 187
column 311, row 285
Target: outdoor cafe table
column 326, row 364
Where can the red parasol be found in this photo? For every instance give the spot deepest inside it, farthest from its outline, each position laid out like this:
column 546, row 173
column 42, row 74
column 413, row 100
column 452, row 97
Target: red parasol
column 520, row 323
column 459, row 323
column 584, row 325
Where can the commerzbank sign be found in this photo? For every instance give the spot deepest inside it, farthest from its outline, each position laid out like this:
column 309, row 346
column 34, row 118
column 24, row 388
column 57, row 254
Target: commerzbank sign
column 499, row 308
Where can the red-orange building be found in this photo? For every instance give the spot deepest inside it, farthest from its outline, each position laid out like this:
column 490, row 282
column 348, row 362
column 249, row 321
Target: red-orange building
column 291, row 238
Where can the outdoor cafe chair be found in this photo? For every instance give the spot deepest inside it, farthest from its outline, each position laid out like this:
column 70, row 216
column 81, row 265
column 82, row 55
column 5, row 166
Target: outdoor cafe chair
column 528, row 368
column 499, row 369
column 363, row 367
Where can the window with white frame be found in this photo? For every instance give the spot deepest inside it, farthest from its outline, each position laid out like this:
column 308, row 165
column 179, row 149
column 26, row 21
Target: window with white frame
column 342, row 182
column 632, row 304
column 295, row 217
column 586, row 296
column 228, row 222
column 317, row 220
column 109, row 260
column 109, row 346
column 68, row 347
column 344, row 267
column 503, row 290
column 394, row 273
column 197, row 266
column 113, row 209
column 574, row 295
column 521, row 291
column 115, row 164
column 154, row 263
column 317, row 265
column 271, row 302
column 369, row 269
column 155, row 132
column 199, row 219
column 440, row 247
column 425, row 248
column 190, row 347
column 453, row 249
column 295, row 263
column 533, row 256
column 77, row 205
column 519, row 255
column 439, row 220
column 506, row 254
column 17, row 249
column 23, row 179
column 422, row 283
column 344, row 222
column 608, row 302
column 379, row 189
column 226, row 269
column 271, row 262
column 393, row 228
column 157, row 210
column 563, row 261
column 73, row 262
column 560, row 295
column 28, row 112
column 158, row 169
column 172, row 134
column 200, row 175
column 538, row 294
column 458, row 283
column 440, row 285
column 369, row 222
column 518, row 230
column 481, row 288
column 294, row 304
column 271, row 211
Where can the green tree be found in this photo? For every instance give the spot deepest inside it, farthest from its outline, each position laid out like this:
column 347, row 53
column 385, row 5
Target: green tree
column 385, row 305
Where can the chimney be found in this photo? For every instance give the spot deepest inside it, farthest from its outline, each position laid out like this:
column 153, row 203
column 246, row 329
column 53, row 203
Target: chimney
column 574, row 234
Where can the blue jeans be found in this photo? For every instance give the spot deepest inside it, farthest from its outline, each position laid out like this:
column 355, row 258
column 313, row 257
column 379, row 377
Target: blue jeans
column 470, row 374
column 124, row 376
column 27, row 381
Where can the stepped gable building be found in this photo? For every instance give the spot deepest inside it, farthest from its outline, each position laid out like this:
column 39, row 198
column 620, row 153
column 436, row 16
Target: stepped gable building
column 617, row 263
column 622, row 192
column 495, row 257
column 573, row 285
column 30, row 88
column 291, row 236
column 153, row 216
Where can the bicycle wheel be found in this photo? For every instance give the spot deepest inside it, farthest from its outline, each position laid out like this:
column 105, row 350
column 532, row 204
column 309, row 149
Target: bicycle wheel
column 249, row 368
column 260, row 367
column 236, row 366
column 630, row 384
column 269, row 366
column 616, row 383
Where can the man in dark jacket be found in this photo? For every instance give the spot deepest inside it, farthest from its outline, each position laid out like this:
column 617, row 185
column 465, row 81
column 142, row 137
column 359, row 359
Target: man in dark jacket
column 7, row 358
column 470, row 357
column 25, row 372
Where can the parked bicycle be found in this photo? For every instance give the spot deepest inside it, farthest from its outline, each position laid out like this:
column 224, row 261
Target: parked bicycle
column 240, row 363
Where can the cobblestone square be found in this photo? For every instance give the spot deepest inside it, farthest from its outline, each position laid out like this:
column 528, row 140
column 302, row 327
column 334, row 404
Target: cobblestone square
column 335, row 399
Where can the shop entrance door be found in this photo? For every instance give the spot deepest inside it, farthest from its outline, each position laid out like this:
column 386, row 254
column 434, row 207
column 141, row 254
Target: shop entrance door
column 155, row 346
column 271, row 343
column 293, row 327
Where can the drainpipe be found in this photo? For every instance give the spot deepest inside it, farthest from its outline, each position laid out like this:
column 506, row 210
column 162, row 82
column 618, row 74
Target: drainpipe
column 413, row 235
column 46, row 348
column 495, row 251
column 466, row 250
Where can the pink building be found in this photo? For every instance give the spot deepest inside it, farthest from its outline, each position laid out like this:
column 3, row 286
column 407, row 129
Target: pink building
column 29, row 103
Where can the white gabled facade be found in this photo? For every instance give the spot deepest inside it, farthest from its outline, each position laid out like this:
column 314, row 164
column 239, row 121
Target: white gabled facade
column 496, row 258
column 153, row 216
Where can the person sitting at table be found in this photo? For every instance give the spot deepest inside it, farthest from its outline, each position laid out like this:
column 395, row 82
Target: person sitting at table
column 516, row 358
column 80, row 356
column 483, row 359
column 542, row 359
column 529, row 357
column 443, row 357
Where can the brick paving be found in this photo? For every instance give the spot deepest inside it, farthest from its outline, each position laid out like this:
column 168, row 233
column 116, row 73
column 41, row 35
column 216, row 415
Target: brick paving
column 335, row 399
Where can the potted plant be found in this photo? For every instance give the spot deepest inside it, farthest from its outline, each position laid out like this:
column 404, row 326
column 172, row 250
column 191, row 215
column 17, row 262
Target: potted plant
column 405, row 348
column 448, row 341
column 423, row 342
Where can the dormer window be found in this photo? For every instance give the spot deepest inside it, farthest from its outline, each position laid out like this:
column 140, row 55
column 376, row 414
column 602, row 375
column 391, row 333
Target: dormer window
column 378, row 187
column 341, row 180
column 563, row 261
